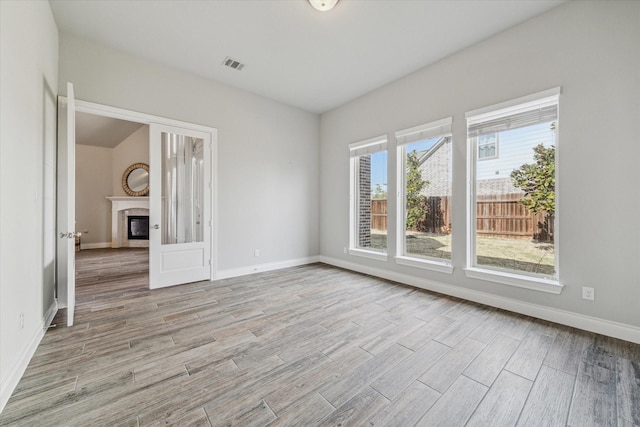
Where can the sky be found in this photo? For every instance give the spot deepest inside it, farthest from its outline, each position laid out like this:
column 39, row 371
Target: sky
column 379, row 162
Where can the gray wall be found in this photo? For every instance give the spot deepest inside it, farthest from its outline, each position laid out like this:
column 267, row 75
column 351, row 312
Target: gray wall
column 94, row 170
column 134, row 149
column 591, row 50
column 28, row 83
column 268, row 169
column 98, row 175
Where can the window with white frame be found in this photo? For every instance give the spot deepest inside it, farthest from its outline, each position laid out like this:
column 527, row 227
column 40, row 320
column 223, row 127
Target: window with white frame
column 488, row 146
column 368, row 225
column 424, row 190
column 513, row 216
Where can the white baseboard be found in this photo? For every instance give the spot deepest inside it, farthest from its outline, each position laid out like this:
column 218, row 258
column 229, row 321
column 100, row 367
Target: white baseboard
column 100, row 245
column 15, row 372
column 243, row 271
column 49, row 315
column 593, row 324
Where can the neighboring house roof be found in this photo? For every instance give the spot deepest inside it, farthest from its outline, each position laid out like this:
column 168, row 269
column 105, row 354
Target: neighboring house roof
column 423, row 156
column 435, row 166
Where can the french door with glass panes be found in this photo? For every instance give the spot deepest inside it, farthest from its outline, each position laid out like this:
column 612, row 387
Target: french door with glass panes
column 179, row 206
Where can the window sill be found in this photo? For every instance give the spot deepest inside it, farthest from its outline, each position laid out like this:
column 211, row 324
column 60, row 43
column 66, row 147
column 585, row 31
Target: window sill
column 439, row 266
column 380, row 256
column 551, row 286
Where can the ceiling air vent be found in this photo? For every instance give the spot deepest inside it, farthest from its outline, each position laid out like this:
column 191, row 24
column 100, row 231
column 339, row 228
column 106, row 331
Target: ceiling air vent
column 232, row 63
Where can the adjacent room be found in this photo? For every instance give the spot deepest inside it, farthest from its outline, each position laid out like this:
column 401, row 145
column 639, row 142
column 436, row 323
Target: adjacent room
column 319, row 212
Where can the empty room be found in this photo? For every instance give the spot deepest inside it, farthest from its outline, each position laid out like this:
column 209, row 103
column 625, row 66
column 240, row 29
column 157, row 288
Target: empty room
column 319, row 212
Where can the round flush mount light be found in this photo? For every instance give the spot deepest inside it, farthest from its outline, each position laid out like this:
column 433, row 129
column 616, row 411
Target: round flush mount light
column 323, row 5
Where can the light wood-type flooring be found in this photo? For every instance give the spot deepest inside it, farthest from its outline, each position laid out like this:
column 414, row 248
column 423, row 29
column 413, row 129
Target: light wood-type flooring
column 313, row 345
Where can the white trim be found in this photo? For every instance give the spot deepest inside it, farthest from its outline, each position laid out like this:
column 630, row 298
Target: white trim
column 379, row 256
column 134, row 116
column 588, row 323
column 368, row 146
column 213, row 187
column 427, row 264
column 503, row 108
column 257, row 268
column 49, row 315
column 541, row 284
column 10, row 382
column 438, row 128
column 99, row 245
column 401, row 208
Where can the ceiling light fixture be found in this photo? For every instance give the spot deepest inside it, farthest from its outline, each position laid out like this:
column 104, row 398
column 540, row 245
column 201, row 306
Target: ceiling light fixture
column 323, row 5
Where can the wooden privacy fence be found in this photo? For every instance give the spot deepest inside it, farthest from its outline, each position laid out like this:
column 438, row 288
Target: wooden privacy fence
column 496, row 216
column 503, row 216
column 379, row 214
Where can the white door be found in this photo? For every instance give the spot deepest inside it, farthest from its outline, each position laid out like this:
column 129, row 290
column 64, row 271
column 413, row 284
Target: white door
column 179, row 206
column 66, row 209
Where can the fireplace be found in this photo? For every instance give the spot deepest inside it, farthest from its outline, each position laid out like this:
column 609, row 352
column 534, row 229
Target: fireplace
column 138, row 227
column 121, row 208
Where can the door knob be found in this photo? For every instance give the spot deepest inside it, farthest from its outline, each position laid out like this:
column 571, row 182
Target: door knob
column 70, row 235
column 157, row 227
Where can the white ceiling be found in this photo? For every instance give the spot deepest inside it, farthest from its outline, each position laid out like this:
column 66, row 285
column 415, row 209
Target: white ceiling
column 294, row 54
column 102, row 131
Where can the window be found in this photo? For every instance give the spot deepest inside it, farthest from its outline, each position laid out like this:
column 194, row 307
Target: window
column 424, row 205
column 368, row 234
column 512, row 218
column 487, row 146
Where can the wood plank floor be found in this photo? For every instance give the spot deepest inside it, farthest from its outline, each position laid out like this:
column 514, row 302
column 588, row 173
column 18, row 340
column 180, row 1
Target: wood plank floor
column 313, row 345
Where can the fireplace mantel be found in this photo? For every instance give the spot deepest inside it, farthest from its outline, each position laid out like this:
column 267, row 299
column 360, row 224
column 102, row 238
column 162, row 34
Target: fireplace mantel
column 122, row 203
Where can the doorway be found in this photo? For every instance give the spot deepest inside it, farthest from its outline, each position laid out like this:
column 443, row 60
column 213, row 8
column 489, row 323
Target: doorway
column 177, row 260
column 106, row 148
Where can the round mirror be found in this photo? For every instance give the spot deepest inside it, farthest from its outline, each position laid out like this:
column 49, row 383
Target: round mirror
column 135, row 180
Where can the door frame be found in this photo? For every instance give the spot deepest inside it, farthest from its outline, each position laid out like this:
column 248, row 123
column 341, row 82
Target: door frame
column 147, row 119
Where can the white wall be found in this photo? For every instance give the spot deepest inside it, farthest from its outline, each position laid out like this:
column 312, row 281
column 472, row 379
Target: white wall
column 94, row 171
column 134, row 149
column 268, row 168
column 591, row 50
column 28, row 83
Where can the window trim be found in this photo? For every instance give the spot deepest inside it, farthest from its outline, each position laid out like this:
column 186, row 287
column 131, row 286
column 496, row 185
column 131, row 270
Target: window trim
column 357, row 149
column 425, row 263
column 368, row 146
column 520, row 280
column 507, row 277
column 377, row 255
column 440, row 128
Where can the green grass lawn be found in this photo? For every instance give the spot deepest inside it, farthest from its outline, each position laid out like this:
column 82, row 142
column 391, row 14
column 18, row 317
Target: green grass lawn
column 515, row 254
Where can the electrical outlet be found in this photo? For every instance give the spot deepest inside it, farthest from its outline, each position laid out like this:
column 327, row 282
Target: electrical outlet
column 588, row 293
column 21, row 322
column 256, row 252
